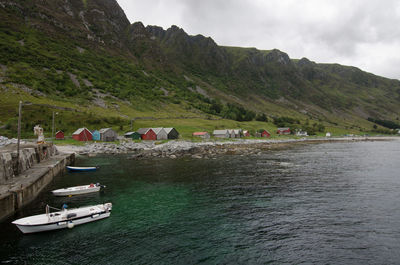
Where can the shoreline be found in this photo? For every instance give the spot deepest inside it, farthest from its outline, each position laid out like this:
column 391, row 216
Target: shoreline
column 204, row 149
column 22, row 189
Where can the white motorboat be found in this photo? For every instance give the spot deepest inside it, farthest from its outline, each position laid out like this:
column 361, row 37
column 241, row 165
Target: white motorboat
column 81, row 169
column 78, row 190
column 63, row 218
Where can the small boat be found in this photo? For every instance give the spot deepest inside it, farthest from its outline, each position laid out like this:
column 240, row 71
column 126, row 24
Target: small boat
column 83, row 169
column 66, row 218
column 78, row 190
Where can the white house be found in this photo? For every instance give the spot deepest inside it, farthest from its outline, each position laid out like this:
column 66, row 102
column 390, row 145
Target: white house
column 301, row 133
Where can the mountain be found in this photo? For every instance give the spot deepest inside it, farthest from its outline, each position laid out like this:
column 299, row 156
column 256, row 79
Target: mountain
column 84, row 58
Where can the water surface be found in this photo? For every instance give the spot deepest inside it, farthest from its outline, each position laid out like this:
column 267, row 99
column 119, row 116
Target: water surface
column 332, row 203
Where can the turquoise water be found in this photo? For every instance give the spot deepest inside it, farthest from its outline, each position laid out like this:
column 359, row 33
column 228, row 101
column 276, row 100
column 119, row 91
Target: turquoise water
column 326, row 203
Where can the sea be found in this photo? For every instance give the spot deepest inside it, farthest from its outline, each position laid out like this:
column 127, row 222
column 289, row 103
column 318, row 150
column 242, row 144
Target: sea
column 326, row 203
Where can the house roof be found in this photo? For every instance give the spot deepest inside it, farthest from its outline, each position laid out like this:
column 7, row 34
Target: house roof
column 157, row 130
column 199, row 133
column 143, row 130
column 220, row 131
column 81, row 130
column 129, row 133
column 103, row 130
column 59, row 132
column 168, row 130
column 283, row 129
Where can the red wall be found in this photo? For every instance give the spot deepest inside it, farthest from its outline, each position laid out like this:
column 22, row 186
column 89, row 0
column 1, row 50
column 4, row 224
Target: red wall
column 60, row 135
column 284, row 132
column 265, row 134
column 150, row 135
column 85, row 135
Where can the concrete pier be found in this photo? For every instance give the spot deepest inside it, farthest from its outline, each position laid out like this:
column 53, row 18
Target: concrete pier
column 37, row 172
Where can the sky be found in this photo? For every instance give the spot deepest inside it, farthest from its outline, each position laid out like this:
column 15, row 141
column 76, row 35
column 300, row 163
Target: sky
column 361, row 33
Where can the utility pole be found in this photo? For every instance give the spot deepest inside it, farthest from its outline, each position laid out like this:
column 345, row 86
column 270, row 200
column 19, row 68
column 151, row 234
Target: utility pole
column 19, row 132
column 52, row 129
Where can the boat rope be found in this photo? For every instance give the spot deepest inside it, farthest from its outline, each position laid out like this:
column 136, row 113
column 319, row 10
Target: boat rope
column 53, row 208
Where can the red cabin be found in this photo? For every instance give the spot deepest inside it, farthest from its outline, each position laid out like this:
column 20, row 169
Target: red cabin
column 59, row 135
column 82, row 134
column 265, row 134
column 147, row 134
column 283, row 131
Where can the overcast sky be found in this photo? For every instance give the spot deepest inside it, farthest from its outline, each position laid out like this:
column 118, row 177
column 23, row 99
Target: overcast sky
column 362, row 33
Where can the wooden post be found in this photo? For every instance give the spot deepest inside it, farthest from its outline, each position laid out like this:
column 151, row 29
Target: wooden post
column 19, row 132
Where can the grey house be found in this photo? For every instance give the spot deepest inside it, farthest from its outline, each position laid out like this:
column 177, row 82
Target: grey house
column 161, row 133
column 172, row 133
column 108, row 135
column 238, row 133
column 221, row 133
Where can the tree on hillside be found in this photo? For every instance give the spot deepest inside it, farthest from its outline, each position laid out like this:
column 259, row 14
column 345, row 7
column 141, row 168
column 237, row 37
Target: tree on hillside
column 262, row 117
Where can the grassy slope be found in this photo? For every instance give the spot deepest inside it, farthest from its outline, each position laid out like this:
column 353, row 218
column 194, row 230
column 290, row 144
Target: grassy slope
column 44, row 62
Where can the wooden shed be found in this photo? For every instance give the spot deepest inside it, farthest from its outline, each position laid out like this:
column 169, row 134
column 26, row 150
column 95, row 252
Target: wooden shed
column 204, row 135
column 96, row 135
column 108, row 135
column 161, row 133
column 236, row 133
column 59, row 135
column 132, row 135
column 82, row 134
column 283, row 131
column 221, row 133
column 147, row 134
column 172, row 133
column 264, row 133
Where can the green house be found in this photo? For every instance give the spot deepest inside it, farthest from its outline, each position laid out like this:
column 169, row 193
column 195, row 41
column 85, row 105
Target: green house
column 132, row 135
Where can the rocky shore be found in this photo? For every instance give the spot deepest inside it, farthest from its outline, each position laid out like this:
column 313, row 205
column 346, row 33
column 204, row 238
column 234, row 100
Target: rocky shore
column 207, row 149
column 5, row 141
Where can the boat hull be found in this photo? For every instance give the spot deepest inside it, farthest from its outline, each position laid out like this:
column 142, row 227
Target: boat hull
column 63, row 219
column 81, row 169
column 29, row 229
column 68, row 192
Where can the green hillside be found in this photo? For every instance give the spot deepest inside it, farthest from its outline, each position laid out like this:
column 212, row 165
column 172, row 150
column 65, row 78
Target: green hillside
column 85, row 61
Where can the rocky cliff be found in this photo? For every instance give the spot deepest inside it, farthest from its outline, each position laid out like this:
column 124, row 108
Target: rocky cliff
column 88, row 48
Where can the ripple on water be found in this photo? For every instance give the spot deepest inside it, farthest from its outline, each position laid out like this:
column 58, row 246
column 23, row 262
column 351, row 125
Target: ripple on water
column 326, row 203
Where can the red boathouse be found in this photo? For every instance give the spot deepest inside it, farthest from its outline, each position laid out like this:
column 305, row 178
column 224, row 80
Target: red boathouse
column 265, row 134
column 82, row 134
column 147, row 134
column 59, row 135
